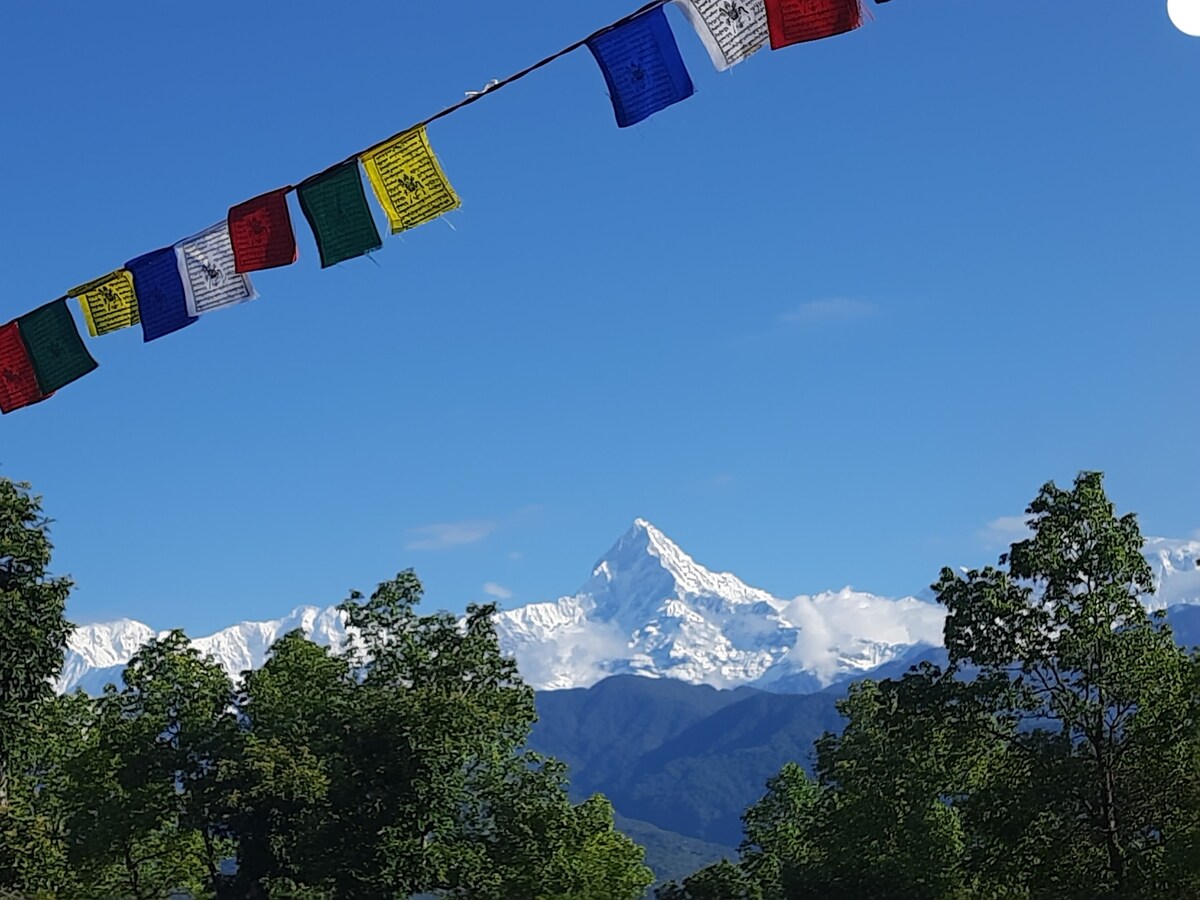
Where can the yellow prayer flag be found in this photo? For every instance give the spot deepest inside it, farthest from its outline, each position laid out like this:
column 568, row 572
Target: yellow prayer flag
column 108, row 303
column 409, row 182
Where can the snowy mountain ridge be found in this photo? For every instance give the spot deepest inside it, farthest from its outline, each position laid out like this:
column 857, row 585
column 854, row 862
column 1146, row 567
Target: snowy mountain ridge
column 648, row 609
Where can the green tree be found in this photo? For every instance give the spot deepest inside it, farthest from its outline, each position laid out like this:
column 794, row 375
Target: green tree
column 143, row 789
column 894, row 781
column 1094, row 701
column 396, row 767
column 882, row 819
column 33, row 623
column 434, row 704
column 783, row 829
column 536, row 845
column 297, row 715
column 1058, row 756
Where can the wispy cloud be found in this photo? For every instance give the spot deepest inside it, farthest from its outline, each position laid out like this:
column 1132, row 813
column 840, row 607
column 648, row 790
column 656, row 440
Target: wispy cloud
column 1003, row 531
column 444, row 535
column 815, row 313
column 499, row 591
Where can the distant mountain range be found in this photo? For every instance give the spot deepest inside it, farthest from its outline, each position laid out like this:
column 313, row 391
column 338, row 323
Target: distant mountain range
column 649, row 609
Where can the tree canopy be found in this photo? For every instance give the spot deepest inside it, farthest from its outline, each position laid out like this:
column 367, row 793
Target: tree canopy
column 1056, row 756
column 391, row 767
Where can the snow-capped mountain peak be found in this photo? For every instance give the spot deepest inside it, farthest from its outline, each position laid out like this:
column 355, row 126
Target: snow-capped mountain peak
column 650, row 608
column 1176, row 568
column 645, row 567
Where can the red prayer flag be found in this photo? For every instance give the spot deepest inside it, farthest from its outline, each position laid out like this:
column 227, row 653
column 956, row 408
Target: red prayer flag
column 261, row 233
column 795, row 21
column 18, row 380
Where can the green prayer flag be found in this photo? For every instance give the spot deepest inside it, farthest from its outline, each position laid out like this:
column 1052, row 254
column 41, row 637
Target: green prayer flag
column 336, row 208
column 54, row 346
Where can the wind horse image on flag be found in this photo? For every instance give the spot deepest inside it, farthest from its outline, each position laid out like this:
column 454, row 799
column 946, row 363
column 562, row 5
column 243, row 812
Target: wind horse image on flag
column 261, row 233
column 409, row 182
column 206, row 267
column 642, row 67
column 731, row 30
column 108, row 303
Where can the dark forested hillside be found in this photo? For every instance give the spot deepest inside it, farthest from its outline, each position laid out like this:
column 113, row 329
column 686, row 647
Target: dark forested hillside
column 686, row 758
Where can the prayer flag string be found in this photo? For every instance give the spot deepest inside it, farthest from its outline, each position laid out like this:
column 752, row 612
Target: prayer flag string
column 166, row 290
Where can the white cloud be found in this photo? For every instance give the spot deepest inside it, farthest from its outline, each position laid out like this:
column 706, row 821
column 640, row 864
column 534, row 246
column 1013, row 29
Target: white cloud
column 847, row 623
column 1003, row 531
column 444, row 535
column 499, row 591
column 823, row 312
column 572, row 656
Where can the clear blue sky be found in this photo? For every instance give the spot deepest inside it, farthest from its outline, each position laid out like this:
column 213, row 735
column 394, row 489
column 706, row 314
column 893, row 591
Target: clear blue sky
column 821, row 323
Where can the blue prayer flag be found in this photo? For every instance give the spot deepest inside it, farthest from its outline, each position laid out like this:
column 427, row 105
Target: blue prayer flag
column 162, row 303
column 642, row 67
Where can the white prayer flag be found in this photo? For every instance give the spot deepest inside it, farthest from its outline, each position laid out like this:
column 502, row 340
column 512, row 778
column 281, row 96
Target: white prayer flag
column 731, row 30
column 207, row 267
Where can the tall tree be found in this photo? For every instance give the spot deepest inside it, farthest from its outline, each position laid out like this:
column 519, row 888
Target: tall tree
column 1058, row 756
column 33, row 623
column 435, row 704
column 1093, row 698
column 297, row 714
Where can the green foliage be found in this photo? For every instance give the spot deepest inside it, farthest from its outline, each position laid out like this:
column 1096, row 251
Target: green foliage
column 1057, row 757
column 33, row 624
column 142, row 789
column 1062, row 641
column 394, row 768
column 33, row 854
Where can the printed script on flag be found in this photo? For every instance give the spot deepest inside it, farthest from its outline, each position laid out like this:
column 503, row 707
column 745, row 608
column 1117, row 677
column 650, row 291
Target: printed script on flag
column 207, row 267
column 109, row 303
column 731, row 30
column 409, row 182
